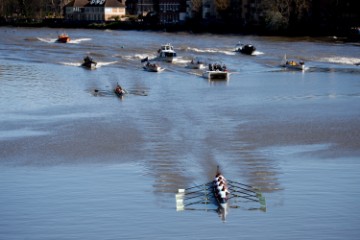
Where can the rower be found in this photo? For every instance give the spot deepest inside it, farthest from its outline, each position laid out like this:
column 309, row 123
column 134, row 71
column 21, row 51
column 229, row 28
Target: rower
column 220, row 186
column 219, row 178
column 226, row 190
column 223, row 194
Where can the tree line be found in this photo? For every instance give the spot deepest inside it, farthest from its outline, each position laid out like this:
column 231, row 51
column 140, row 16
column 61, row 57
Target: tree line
column 267, row 15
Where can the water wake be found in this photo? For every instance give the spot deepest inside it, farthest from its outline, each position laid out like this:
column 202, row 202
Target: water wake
column 341, row 60
column 211, row 50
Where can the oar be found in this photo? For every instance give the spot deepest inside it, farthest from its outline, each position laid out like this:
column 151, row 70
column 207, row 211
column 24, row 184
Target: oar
column 199, row 195
column 204, row 184
column 204, row 201
column 248, row 194
column 245, row 189
column 242, row 184
column 248, row 198
column 260, row 200
column 201, row 190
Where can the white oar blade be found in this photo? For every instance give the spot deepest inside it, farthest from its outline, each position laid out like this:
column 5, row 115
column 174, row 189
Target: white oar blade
column 179, row 202
column 179, row 196
column 181, row 190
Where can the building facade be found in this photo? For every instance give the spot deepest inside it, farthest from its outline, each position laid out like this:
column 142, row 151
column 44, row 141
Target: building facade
column 95, row 10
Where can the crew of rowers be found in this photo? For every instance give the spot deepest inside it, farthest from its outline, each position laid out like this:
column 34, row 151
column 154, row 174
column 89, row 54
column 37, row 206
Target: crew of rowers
column 221, row 187
column 217, row 67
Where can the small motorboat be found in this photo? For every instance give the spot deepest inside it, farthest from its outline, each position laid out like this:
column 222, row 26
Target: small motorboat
column 63, row 38
column 152, row 67
column 89, row 63
column 292, row 64
column 216, row 72
column 195, row 64
column 166, row 53
column 119, row 91
column 245, row 48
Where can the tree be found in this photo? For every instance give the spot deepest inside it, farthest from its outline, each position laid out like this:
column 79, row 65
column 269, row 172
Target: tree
column 196, row 8
column 283, row 14
column 222, row 5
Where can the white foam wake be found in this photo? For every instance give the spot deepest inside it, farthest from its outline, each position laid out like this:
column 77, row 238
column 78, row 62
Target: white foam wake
column 341, row 60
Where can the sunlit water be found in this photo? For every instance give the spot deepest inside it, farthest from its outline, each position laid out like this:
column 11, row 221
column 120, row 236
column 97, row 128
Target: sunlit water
column 76, row 162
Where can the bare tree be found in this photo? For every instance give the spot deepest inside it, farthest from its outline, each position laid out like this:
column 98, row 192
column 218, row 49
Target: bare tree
column 280, row 14
column 196, row 7
column 222, row 5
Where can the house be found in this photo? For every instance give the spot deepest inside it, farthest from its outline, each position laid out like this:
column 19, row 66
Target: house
column 94, row 10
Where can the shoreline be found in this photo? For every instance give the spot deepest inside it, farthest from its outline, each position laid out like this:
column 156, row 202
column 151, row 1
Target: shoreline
column 198, row 27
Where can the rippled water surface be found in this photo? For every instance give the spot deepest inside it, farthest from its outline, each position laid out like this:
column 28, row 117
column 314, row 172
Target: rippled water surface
column 76, row 162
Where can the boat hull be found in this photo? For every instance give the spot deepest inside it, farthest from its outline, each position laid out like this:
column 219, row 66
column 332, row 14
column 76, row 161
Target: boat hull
column 91, row 65
column 63, row 39
column 153, row 69
column 195, row 65
column 216, row 75
column 246, row 49
column 299, row 67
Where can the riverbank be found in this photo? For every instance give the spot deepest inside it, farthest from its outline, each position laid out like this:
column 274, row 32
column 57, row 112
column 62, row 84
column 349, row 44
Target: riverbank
column 342, row 34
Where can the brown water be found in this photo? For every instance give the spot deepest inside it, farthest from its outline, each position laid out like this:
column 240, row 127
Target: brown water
column 76, row 164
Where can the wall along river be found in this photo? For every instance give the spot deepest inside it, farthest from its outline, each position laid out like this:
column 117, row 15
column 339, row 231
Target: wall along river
column 76, row 163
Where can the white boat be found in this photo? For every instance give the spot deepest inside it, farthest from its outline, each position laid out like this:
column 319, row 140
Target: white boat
column 166, row 53
column 195, row 64
column 291, row 64
column 216, row 72
column 152, row 67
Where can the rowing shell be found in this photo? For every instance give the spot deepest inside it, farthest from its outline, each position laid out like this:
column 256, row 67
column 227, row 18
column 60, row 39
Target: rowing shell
column 194, row 198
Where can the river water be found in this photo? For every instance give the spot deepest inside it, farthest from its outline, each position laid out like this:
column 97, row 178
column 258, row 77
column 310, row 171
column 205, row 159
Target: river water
column 76, row 163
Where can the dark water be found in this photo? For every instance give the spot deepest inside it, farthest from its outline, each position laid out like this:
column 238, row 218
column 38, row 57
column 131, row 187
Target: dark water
column 80, row 164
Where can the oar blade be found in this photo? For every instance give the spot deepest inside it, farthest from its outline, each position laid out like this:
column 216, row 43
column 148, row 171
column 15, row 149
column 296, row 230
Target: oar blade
column 179, row 197
column 181, row 190
column 262, row 201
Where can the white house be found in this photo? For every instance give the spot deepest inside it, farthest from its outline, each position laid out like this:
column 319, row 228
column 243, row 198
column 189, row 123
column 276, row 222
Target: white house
column 95, row 10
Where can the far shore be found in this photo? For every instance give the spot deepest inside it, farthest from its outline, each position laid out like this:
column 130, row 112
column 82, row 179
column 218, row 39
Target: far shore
column 345, row 34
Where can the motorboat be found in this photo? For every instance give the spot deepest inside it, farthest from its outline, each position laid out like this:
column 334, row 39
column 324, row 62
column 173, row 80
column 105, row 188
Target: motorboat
column 195, row 64
column 63, row 38
column 166, row 53
column 152, row 67
column 216, row 72
column 292, row 64
column 245, row 48
column 89, row 63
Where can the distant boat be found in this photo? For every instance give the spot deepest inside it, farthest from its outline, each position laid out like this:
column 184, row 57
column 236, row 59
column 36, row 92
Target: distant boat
column 166, row 53
column 63, row 38
column 119, row 91
column 216, row 72
column 245, row 48
column 292, row 64
column 152, row 67
column 89, row 63
column 195, row 64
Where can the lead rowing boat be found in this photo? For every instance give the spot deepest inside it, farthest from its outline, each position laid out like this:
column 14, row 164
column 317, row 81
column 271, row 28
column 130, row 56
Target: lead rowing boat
column 211, row 195
column 220, row 189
